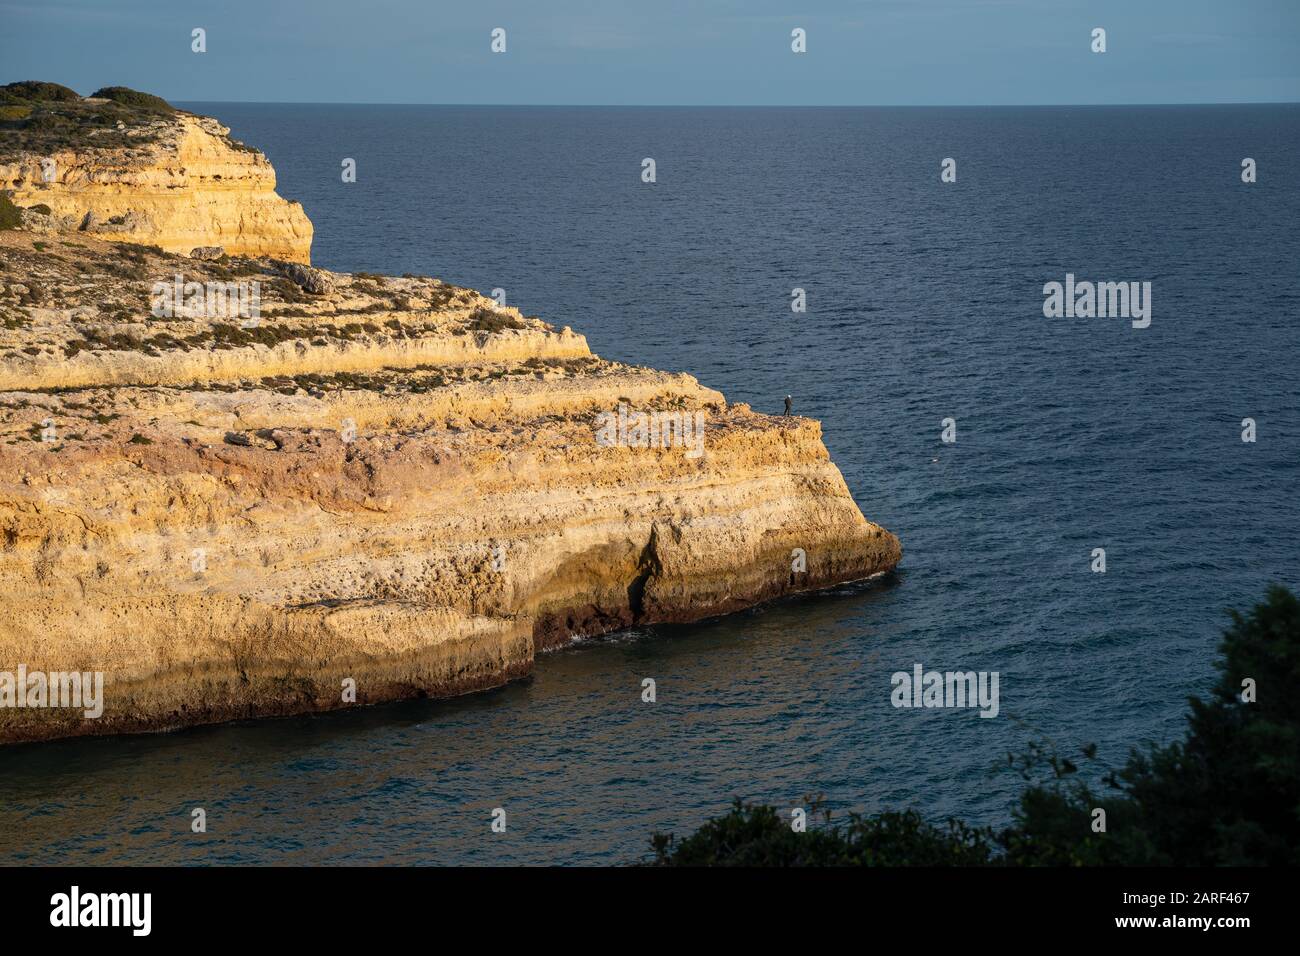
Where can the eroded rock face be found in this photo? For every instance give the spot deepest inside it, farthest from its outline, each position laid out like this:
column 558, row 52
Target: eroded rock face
column 382, row 483
column 188, row 185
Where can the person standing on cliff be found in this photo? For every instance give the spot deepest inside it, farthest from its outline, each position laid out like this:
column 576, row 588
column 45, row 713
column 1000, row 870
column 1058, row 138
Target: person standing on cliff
column 788, row 405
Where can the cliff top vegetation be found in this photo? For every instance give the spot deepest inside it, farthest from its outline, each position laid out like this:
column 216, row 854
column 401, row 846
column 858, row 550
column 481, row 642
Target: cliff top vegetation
column 42, row 117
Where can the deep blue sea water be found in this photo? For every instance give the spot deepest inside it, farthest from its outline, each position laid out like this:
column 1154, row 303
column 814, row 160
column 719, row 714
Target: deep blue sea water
column 925, row 302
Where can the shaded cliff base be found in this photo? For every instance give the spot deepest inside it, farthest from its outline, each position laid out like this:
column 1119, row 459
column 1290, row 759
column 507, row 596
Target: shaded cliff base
column 278, row 692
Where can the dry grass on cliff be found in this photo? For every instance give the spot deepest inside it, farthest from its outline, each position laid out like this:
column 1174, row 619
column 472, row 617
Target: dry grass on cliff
column 75, row 295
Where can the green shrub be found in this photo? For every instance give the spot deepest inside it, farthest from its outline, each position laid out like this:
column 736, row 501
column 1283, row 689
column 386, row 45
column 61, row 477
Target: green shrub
column 490, row 320
column 37, row 92
column 1226, row 795
column 134, row 99
column 756, row 835
column 10, row 215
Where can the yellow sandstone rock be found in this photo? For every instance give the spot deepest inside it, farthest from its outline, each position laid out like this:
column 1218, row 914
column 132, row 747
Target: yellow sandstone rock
column 391, row 485
column 189, row 187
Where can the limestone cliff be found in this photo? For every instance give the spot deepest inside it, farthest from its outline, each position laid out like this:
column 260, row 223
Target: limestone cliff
column 388, row 481
column 177, row 181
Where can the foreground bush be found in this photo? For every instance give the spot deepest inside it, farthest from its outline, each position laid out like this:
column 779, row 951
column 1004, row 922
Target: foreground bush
column 1227, row 794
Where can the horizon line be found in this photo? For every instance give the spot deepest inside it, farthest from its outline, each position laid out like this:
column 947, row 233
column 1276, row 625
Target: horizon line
column 754, row 106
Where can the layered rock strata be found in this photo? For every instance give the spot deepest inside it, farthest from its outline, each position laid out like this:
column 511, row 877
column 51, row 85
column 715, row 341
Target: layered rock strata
column 388, row 484
column 184, row 185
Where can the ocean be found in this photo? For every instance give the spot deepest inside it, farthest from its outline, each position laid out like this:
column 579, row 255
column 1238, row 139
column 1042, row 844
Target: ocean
column 924, row 303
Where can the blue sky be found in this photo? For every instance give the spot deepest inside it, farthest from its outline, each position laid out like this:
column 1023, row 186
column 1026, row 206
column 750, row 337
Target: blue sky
column 868, row 52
